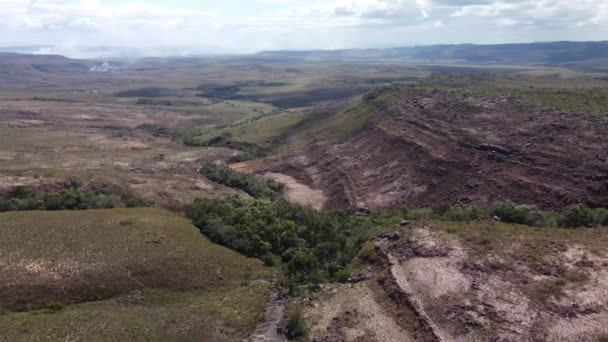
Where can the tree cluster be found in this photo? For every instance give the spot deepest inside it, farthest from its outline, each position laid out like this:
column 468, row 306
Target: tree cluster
column 311, row 246
column 71, row 195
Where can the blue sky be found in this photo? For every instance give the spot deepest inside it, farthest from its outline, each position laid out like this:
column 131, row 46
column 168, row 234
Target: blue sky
column 253, row 25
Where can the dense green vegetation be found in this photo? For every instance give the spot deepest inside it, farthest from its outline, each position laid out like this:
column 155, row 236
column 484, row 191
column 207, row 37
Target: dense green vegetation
column 574, row 216
column 71, row 195
column 589, row 100
column 154, row 102
column 311, row 246
column 147, row 92
column 223, row 92
column 250, row 150
column 158, row 131
column 253, row 186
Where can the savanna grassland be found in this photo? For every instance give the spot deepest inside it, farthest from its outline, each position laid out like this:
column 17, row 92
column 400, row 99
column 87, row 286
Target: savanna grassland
column 364, row 199
column 122, row 274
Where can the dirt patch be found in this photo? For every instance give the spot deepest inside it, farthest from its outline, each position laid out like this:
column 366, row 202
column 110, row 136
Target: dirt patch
column 335, row 316
column 299, row 193
column 9, row 182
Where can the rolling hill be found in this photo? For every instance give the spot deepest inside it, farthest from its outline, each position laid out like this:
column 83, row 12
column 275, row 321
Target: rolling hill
column 122, row 274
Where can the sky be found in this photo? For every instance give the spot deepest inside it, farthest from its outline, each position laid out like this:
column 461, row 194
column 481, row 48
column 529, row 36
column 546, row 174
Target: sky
column 241, row 26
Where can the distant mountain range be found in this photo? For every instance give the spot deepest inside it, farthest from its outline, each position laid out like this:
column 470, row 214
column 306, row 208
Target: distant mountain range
column 26, row 49
column 584, row 55
column 547, row 53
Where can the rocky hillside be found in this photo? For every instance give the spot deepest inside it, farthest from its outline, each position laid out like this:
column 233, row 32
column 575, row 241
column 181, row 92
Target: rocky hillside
column 431, row 147
column 483, row 281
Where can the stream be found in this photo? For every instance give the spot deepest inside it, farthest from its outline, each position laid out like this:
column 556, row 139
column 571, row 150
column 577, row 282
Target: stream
column 266, row 331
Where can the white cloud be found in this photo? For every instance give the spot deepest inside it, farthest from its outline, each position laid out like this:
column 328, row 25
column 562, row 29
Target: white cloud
column 299, row 24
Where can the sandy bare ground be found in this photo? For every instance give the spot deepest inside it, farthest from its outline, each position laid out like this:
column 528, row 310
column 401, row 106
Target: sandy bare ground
column 352, row 313
column 298, row 192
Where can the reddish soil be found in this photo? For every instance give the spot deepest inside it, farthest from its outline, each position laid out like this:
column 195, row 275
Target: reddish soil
column 427, row 148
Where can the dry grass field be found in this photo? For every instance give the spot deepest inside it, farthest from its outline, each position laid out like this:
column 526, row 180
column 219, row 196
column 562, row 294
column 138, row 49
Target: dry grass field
column 122, row 274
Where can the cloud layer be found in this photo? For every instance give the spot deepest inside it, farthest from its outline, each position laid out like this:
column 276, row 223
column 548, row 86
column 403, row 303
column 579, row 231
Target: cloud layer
column 291, row 24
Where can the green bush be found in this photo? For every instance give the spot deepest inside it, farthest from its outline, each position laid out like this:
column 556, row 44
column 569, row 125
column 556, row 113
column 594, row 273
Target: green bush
column 55, row 306
column 601, row 217
column 579, row 215
column 342, row 276
column 250, row 150
column 157, row 130
column 72, row 195
column 253, row 186
column 418, row 214
column 574, row 216
column 510, row 212
column 296, row 327
column 464, row 213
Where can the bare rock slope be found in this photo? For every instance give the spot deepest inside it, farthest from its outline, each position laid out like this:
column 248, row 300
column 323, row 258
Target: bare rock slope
column 453, row 283
column 425, row 147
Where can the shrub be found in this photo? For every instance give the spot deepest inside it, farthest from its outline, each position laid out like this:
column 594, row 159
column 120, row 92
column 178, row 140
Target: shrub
column 157, row 130
column 509, row 212
column 534, row 217
column 250, row 150
column 270, row 259
column 579, row 215
column 20, row 192
column 296, row 327
column 464, row 213
column 135, row 202
column 74, row 195
column 6, row 204
column 251, row 185
column 417, row 214
column 601, row 217
column 55, row 306
column 126, row 222
column 602, row 338
column 147, row 92
column 574, row 216
column 342, row 276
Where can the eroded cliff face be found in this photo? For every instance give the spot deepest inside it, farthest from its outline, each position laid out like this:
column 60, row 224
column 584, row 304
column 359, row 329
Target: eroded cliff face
column 431, row 283
column 425, row 148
